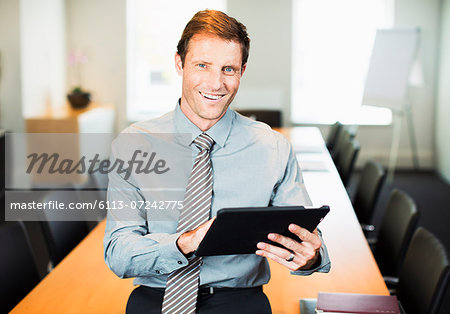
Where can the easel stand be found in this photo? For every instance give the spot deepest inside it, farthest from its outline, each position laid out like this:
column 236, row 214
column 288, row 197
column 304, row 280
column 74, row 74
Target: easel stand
column 397, row 116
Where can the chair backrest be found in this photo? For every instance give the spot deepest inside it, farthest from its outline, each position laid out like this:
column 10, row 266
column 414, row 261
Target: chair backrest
column 343, row 136
column 95, row 191
column 2, row 160
column 62, row 236
column 424, row 275
column 347, row 159
column 18, row 271
column 395, row 232
column 101, row 183
column 368, row 190
column 333, row 135
column 271, row 117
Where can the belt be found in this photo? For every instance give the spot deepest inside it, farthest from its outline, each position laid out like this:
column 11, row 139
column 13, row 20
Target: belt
column 213, row 290
column 203, row 291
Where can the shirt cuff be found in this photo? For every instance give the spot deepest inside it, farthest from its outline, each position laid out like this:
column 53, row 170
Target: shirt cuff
column 170, row 256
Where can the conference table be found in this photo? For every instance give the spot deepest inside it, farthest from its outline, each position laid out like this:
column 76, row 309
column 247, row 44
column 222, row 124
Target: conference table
column 82, row 283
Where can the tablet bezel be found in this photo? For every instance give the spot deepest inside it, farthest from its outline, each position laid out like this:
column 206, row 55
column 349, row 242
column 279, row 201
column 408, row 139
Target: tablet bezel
column 238, row 230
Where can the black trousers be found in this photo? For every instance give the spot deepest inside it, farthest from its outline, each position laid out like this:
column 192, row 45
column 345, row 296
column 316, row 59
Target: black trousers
column 246, row 300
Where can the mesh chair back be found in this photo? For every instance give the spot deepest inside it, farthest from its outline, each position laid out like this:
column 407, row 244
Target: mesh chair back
column 333, row 135
column 2, row 160
column 343, row 136
column 424, row 275
column 346, row 163
column 18, row 271
column 270, row 117
column 62, row 236
column 368, row 191
column 396, row 230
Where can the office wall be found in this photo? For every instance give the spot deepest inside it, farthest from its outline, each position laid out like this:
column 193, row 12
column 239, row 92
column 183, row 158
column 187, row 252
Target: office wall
column 33, row 75
column 443, row 97
column 98, row 29
column 267, row 81
column 426, row 16
column 10, row 76
column 43, row 55
column 376, row 140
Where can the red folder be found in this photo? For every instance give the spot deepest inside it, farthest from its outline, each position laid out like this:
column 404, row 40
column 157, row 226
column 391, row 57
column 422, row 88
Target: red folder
column 356, row 303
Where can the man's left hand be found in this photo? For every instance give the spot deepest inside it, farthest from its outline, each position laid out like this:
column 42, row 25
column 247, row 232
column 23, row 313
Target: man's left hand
column 304, row 254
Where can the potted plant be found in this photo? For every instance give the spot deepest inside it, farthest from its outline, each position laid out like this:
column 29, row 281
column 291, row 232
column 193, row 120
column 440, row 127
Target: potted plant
column 78, row 97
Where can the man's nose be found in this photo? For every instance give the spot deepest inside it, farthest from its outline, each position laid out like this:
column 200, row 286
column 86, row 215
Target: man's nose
column 216, row 79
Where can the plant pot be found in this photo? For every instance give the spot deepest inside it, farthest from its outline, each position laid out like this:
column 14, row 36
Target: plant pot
column 79, row 100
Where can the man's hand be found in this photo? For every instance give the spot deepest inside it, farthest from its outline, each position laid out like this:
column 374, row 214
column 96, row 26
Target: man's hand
column 305, row 254
column 188, row 242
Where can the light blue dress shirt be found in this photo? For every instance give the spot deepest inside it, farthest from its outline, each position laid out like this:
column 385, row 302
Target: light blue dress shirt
column 252, row 166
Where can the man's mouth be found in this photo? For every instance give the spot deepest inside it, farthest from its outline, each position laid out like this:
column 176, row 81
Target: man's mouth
column 211, row 96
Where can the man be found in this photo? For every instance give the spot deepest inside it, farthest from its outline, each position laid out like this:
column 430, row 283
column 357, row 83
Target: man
column 244, row 163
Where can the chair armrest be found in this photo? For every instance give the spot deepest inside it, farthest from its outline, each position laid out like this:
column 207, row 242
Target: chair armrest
column 391, row 283
column 367, row 227
column 372, row 242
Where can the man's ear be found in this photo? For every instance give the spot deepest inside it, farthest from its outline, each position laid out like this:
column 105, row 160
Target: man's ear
column 178, row 64
column 243, row 69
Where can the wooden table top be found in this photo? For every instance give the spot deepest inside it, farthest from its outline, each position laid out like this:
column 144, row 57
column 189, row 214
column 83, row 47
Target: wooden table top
column 82, row 283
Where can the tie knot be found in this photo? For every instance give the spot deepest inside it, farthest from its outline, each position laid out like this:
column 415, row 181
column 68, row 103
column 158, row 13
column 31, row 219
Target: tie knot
column 204, row 141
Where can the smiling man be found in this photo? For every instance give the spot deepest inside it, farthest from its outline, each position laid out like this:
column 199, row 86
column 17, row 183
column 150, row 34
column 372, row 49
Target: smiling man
column 237, row 162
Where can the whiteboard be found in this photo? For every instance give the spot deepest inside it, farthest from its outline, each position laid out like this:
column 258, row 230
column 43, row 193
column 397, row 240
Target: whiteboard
column 392, row 57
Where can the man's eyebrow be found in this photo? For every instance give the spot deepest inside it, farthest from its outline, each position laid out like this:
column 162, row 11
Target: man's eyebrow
column 200, row 61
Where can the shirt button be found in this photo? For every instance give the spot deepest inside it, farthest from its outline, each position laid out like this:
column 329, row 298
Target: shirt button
column 157, row 271
column 180, row 262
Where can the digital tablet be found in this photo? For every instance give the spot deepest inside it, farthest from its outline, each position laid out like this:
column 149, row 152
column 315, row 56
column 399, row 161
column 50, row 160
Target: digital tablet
column 238, row 230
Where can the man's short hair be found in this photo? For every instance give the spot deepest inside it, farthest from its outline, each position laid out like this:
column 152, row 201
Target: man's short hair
column 215, row 23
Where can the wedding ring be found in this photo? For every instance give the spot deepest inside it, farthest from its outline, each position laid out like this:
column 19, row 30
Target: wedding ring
column 291, row 257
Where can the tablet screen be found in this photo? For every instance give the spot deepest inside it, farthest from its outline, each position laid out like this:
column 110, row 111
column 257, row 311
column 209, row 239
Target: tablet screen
column 238, row 230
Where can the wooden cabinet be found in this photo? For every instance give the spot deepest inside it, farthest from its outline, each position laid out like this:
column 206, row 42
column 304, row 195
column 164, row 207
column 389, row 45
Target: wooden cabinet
column 95, row 118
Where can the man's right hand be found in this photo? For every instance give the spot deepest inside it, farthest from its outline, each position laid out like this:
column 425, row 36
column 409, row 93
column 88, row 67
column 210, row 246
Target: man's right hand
column 189, row 241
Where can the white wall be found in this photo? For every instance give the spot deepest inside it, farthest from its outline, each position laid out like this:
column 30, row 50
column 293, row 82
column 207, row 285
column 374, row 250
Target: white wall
column 426, row 16
column 267, row 80
column 43, row 55
column 443, row 97
column 33, row 77
column 98, row 29
column 376, row 140
column 10, row 78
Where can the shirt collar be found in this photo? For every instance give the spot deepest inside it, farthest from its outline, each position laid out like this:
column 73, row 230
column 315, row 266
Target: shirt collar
column 219, row 132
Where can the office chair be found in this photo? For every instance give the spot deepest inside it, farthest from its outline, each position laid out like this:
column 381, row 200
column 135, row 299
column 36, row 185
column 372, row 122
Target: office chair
column 333, row 135
column 62, row 236
column 344, row 135
column 101, row 183
column 395, row 233
column 271, row 117
column 94, row 191
column 18, row 271
column 2, row 161
column 367, row 192
column 347, row 159
column 424, row 275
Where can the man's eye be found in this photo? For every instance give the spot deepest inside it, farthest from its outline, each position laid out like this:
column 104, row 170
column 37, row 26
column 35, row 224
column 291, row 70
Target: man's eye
column 229, row 70
column 201, row 65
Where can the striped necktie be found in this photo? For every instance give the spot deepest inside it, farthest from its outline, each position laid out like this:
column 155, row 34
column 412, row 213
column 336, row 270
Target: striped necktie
column 182, row 284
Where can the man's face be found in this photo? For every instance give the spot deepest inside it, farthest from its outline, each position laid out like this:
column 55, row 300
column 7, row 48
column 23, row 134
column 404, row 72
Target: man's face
column 211, row 76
